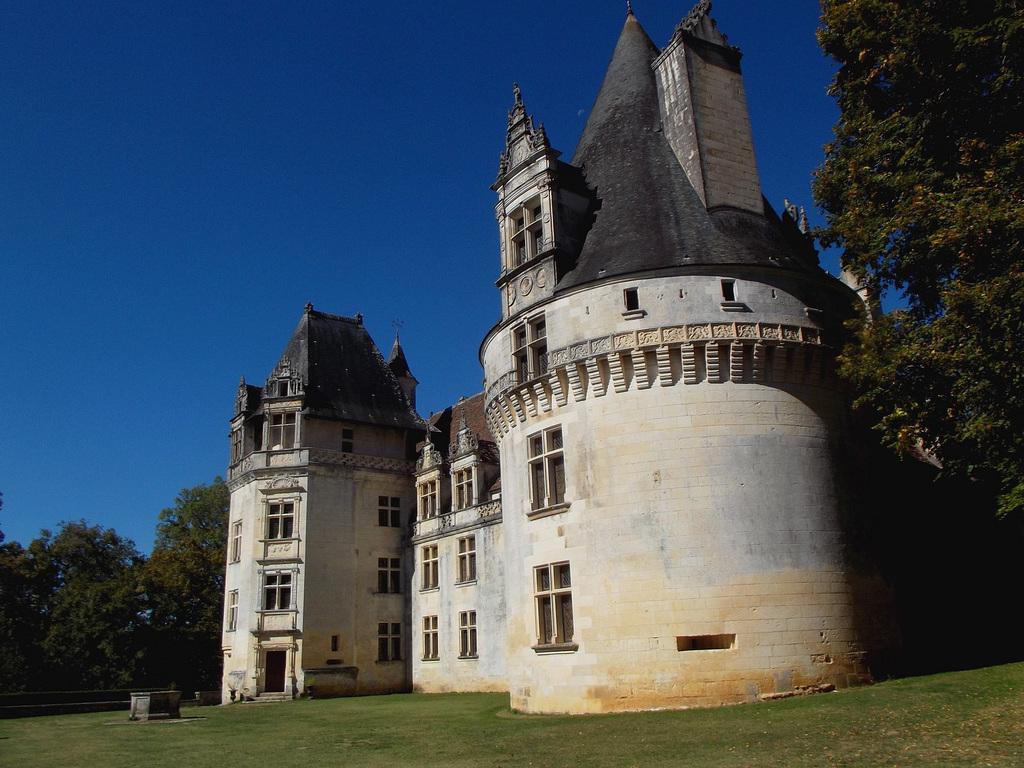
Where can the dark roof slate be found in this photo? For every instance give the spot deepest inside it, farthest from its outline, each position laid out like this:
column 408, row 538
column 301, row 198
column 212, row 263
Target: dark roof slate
column 344, row 375
column 650, row 216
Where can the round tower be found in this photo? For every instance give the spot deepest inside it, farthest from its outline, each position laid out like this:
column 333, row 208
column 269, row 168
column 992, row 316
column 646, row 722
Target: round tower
column 674, row 447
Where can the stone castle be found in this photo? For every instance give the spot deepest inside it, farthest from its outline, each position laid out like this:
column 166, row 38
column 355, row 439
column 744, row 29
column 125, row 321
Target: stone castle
column 646, row 507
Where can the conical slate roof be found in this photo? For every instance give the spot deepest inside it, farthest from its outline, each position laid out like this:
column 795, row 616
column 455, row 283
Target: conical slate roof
column 343, row 373
column 397, row 362
column 649, row 215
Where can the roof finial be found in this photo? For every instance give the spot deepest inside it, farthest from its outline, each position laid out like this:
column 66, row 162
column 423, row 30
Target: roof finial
column 629, row 8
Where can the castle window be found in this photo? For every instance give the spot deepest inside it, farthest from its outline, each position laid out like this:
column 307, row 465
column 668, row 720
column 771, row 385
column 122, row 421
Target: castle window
column 282, row 431
column 553, row 594
column 428, row 562
column 526, row 229
column 335, row 644
column 631, row 299
column 236, row 541
column 283, row 388
column 389, row 641
column 547, row 469
column 389, row 511
column 467, row 559
column 530, row 349
column 467, row 635
column 277, row 591
column 389, row 575
column 232, row 618
column 347, row 439
column 430, row 638
column 428, row 499
column 280, row 520
column 463, row 480
column 236, row 445
column 729, row 290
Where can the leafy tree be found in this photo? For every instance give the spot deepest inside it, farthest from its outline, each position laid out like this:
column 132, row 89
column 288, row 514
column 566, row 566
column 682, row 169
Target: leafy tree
column 96, row 611
column 184, row 581
column 923, row 187
column 26, row 585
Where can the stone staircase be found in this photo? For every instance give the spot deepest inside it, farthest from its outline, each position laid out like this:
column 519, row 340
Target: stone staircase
column 272, row 698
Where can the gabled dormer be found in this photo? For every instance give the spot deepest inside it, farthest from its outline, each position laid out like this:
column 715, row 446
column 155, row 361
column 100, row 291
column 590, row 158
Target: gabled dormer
column 542, row 205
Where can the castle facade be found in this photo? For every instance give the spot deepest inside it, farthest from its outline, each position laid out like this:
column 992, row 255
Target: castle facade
column 648, row 505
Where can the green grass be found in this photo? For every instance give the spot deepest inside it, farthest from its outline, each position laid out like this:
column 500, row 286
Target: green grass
column 973, row 718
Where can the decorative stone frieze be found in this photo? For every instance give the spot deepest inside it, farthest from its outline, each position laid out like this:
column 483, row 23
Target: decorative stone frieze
column 737, row 352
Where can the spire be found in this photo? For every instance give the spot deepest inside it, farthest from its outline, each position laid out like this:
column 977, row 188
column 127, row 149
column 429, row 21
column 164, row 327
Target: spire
column 400, row 367
column 396, row 360
column 521, row 138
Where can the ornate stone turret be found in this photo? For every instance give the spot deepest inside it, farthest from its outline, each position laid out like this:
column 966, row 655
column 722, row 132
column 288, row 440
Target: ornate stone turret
column 540, row 204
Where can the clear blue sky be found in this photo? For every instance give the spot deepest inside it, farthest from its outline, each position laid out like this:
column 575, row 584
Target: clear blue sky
column 179, row 179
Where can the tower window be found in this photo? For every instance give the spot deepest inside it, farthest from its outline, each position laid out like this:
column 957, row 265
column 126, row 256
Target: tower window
column 282, row 431
column 547, row 469
column 729, row 290
column 277, row 592
column 236, row 541
column 530, row 349
column 631, row 299
column 280, row 520
column 526, row 230
column 232, row 620
column 347, row 439
column 553, row 593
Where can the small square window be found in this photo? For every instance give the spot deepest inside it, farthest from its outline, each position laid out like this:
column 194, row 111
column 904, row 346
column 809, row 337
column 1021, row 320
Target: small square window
column 631, row 299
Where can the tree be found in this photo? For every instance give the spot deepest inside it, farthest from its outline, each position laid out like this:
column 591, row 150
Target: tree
column 923, row 187
column 184, row 581
column 96, row 612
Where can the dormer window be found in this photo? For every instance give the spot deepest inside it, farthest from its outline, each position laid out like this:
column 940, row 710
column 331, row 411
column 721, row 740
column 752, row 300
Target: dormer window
column 526, row 229
column 462, row 480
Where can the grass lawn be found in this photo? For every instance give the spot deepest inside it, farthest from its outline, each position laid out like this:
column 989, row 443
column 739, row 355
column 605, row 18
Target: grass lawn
column 973, row 718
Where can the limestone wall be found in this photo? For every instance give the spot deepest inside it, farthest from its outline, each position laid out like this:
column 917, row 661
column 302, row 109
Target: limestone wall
column 703, row 518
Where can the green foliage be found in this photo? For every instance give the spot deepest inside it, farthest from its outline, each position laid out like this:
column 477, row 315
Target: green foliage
column 96, row 611
column 923, row 187
column 184, row 582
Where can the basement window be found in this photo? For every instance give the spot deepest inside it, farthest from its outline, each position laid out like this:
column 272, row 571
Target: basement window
column 705, row 642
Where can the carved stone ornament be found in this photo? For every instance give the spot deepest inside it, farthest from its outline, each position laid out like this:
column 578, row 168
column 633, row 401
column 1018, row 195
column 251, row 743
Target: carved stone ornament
column 282, row 482
column 526, row 285
column 430, row 458
column 541, row 278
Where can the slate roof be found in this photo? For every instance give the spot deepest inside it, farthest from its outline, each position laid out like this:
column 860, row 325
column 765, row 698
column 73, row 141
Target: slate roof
column 446, row 426
column 344, row 375
column 650, row 217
